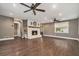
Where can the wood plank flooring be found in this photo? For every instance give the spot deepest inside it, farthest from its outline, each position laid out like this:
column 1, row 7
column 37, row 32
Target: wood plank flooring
column 45, row 46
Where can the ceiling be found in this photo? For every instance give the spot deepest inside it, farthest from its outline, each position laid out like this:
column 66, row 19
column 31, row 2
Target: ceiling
column 62, row 11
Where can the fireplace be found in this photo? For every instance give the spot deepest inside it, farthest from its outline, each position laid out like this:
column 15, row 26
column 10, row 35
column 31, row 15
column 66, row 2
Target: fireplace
column 34, row 32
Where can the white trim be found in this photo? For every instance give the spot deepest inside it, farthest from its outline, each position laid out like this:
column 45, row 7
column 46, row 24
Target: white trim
column 6, row 39
column 63, row 37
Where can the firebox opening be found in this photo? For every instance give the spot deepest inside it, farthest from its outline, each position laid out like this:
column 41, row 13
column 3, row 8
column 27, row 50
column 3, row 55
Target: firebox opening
column 34, row 32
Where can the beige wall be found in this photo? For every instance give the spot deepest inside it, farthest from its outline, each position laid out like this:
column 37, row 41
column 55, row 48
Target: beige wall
column 48, row 29
column 6, row 28
column 78, row 26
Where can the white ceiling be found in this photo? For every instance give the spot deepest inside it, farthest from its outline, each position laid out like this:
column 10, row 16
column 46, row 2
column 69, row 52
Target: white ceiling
column 68, row 10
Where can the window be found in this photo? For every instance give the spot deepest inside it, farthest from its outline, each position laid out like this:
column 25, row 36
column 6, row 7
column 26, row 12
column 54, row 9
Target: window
column 62, row 27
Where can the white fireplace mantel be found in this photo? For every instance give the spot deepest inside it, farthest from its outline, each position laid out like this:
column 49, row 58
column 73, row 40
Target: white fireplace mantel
column 31, row 27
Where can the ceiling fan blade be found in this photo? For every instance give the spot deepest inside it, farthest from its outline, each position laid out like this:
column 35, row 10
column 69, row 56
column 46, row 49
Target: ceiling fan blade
column 34, row 12
column 25, row 5
column 40, row 10
column 36, row 5
column 27, row 10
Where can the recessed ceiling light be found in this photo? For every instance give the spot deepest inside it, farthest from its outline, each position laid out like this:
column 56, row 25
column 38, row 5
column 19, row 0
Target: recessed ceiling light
column 60, row 14
column 54, row 6
column 14, row 5
column 11, row 14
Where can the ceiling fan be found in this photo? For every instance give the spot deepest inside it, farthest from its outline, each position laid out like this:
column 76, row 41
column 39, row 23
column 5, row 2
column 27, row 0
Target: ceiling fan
column 55, row 20
column 33, row 7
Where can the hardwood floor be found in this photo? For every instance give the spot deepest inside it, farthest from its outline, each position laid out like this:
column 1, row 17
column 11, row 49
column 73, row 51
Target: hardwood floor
column 39, row 47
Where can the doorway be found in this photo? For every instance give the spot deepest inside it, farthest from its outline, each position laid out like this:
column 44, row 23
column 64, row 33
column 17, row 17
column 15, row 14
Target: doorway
column 17, row 29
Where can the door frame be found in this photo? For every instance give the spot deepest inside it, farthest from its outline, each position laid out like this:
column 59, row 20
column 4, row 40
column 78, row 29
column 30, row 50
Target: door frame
column 18, row 29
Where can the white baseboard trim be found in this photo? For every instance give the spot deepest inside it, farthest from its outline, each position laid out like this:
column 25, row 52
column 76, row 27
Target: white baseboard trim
column 36, row 36
column 6, row 39
column 62, row 37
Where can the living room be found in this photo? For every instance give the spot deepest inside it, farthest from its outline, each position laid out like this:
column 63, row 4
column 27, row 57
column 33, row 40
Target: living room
column 39, row 29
